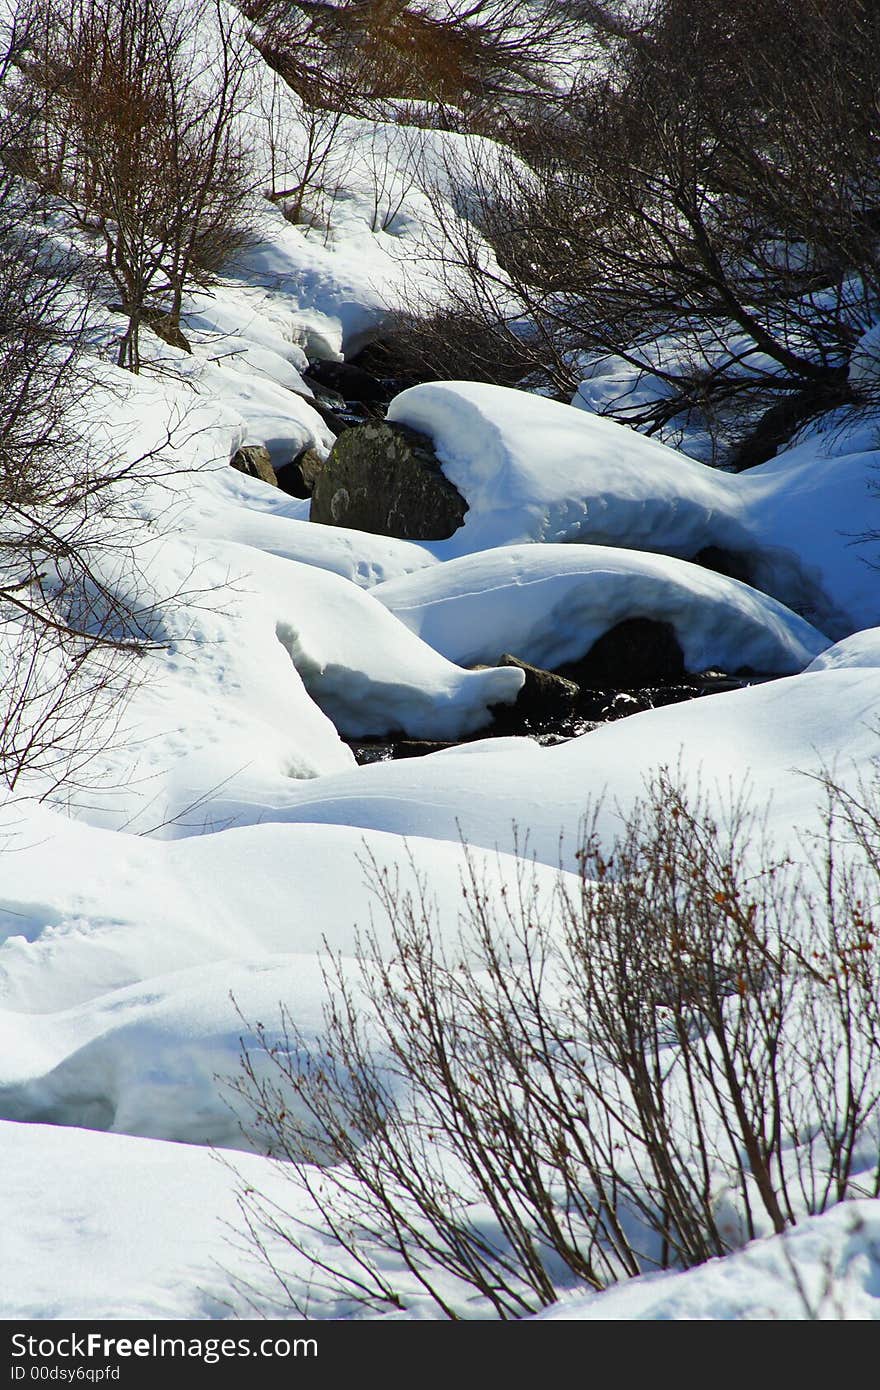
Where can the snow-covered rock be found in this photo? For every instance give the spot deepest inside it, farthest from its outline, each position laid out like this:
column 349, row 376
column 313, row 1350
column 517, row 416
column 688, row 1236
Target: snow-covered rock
column 550, row 603
column 535, row 470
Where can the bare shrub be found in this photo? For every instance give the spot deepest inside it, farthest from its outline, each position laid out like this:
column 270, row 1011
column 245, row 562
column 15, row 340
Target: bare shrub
column 136, row 138
column 684, row 1053
column 711, row 185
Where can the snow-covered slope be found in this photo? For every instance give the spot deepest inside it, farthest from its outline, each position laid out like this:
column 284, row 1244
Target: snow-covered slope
column 224, row 840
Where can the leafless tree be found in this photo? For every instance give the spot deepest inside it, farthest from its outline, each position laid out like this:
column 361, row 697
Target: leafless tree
column 76, row 614
column 137, row 138
column 710, row 185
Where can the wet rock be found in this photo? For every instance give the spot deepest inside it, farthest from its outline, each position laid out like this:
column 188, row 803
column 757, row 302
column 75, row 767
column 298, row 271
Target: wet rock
column 544, row 696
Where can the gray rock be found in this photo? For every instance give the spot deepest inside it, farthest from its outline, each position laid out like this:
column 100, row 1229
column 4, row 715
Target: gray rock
column 385, row 478
column 254, row 460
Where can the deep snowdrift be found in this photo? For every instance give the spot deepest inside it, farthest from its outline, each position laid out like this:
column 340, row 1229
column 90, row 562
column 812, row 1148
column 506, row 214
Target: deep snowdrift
column 534, row 470
column 549, row 603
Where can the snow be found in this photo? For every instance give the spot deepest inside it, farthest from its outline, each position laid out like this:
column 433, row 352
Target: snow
column 229, row 505
column 121, row 1235
column 827, row 1268
column 128, row 987
column 864, row 363
column 862, row 649
column 219, row 844
column 536, row 470
column 548, row 604
column 223, row 849
column 777, row 737
column 161, row 1255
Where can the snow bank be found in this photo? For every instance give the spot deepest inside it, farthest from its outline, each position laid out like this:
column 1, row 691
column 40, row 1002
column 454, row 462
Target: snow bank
column 366, row 670
column 240, row 822
column 862, row 649
column 132, row 968
column 120, row 1236
column 549, row 603
column 231, row 506
column 531, row 469
column 250, row 645
column 151, row 1059
column 826, row 1268
column 771, row 736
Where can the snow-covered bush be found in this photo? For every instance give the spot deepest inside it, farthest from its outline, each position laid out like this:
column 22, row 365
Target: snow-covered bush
column 679, row 1053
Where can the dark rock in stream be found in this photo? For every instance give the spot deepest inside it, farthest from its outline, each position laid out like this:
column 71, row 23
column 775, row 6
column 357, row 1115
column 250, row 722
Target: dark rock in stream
column 634, row 654
column 347, row 382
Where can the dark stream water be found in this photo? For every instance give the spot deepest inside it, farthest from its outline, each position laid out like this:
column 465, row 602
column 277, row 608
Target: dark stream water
column 595, row 708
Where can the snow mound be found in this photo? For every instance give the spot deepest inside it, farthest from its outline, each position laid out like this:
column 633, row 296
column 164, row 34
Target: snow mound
column 862, row 649
column 364, row 668
column 131, row 968
column 103, row 1226
column 549, row 603
column 864, row 363
column 151, row 1059
column 531, row 469
column 535, row 470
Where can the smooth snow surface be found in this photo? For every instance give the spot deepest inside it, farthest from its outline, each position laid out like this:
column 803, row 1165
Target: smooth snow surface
column 549, row 603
